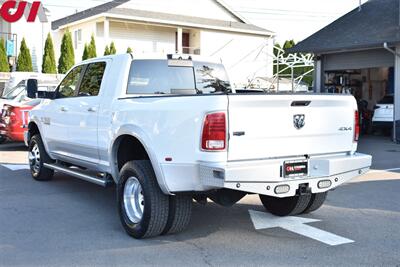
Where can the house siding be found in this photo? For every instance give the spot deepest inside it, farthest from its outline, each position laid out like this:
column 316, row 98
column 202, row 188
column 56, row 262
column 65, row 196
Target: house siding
column 142, row 38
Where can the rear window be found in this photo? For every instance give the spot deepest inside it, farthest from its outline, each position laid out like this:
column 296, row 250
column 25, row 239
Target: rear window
column 157, row 77
column 389, row 99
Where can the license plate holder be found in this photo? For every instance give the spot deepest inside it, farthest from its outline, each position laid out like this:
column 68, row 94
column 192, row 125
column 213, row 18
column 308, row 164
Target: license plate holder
column 293, row 169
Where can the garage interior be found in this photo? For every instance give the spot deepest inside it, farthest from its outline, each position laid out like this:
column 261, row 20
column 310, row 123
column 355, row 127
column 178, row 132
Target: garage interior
column 368, row 75
column 369, row 86
column 359, row 54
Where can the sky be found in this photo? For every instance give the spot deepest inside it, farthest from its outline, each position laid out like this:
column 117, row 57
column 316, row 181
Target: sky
column 289, row 19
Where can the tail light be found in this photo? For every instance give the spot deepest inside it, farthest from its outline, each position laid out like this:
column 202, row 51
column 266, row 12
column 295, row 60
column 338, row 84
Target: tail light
column 356, row 126
column 214, row 132
column 8, row 114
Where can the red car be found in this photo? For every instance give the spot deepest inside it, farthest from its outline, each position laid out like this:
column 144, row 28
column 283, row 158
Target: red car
column 14, row 120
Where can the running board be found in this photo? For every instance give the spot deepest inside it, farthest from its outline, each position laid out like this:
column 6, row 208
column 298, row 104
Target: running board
column 78, row 174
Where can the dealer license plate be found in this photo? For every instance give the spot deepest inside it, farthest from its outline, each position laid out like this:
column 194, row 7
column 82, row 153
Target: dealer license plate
column 295, row 168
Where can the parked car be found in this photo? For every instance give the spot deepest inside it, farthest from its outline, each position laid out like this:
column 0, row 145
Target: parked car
column 14, row 120
column 384, row 114
column 166, row 129
column 17, row 78
column 18, row 96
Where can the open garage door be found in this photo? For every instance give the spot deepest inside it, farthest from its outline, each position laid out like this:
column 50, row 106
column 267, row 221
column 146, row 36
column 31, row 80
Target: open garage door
column 374, row 58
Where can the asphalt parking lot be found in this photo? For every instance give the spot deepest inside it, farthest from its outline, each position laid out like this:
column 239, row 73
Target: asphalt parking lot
column 68, row 222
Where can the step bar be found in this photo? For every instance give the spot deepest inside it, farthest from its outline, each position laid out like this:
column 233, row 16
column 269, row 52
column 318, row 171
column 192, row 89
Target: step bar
column 78, row 174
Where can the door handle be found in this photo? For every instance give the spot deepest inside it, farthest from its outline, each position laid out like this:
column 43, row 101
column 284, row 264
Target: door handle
column 64, row 109
column 92, row 109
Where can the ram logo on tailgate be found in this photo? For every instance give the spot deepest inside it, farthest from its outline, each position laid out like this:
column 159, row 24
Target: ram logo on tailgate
column 299, row 120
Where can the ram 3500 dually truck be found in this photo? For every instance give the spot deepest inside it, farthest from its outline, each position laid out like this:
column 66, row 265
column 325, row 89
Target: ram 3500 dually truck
column 167, row 129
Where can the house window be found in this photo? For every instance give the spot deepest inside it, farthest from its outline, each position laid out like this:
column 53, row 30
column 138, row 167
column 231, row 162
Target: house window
column 78, row 38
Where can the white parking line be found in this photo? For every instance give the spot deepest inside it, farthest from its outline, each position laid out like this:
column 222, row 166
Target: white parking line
column 16, row 167
column 262, row 220
column 387, row 170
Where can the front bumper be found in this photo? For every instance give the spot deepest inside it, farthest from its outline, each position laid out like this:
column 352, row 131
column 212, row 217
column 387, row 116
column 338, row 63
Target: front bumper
column 263, row 176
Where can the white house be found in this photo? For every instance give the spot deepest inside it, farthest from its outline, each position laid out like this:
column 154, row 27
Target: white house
column 35, row 34
column 205, row 27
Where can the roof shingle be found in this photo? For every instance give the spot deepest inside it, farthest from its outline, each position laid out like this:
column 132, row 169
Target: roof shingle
column 142, row 15
column 376, row 23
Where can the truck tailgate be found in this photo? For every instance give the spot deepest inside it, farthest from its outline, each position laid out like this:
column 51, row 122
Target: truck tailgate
column 269, row 126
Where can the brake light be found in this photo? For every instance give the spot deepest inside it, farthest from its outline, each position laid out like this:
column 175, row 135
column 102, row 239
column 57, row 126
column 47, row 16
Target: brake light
column 356, row 126
column 8, row 114
column 214, row 132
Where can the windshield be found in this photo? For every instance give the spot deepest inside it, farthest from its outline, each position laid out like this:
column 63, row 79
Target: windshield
column 15, row 92
column 389, row 99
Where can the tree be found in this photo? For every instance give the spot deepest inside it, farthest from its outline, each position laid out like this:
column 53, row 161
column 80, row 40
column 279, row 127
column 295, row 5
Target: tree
column 67, row 58
column 85, row 52
column 129, row 50
column 92, row 48
column 107, row 51
column 4, row 66
column 49, row 60
column 24, row 61
column 113, row 50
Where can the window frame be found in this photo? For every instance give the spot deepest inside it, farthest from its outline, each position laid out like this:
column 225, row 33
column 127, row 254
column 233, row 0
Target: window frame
column 78, row 38
column 83, row 75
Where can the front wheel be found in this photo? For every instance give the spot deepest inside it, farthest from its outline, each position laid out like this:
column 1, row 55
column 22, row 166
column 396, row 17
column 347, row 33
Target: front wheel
column 37, row 157
column 142, row 206
column 287, row 206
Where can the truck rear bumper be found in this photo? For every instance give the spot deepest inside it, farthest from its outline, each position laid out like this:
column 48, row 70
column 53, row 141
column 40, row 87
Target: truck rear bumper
column 265, row 176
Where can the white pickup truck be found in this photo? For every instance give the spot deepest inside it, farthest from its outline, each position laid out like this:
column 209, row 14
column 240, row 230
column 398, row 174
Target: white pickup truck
column 167, row 129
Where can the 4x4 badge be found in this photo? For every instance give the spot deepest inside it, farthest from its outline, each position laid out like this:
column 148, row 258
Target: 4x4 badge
column 299, row 120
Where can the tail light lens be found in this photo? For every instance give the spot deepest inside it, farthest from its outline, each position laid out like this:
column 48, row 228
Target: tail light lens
column 214, row 132
column 8, row 114
column 356, row 126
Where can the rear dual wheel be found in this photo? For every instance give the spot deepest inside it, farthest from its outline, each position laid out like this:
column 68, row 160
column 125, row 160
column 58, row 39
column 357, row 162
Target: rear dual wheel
column 145, row 211
column 295, row 205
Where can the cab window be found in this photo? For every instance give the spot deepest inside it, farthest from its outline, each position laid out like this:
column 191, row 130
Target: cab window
column 91, row 81
column 69, row 84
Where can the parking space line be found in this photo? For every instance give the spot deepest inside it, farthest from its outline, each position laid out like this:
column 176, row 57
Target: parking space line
column 262, row 220
column 386, row 170
column 16, row 167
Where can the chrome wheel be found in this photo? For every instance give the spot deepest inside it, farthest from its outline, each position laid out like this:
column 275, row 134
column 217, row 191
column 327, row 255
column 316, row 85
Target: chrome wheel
column 34, row 159
column 133, row 200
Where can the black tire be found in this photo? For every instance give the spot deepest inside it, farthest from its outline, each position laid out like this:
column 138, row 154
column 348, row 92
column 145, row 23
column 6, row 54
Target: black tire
column 286, row 206
column 155, row 211
column 2, row 139
column 317, row 200
column 179, row 214
column 38, row 171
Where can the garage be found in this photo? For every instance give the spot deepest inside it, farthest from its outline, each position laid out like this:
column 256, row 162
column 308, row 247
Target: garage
column 359, row 54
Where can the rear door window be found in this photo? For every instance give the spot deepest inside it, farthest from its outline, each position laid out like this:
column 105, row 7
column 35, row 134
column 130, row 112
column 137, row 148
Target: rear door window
column 91, row 81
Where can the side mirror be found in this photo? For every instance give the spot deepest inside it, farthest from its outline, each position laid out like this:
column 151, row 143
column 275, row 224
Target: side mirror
column 32, row 88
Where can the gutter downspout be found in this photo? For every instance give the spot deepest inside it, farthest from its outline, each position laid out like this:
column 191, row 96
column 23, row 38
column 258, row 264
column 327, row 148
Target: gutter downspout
column 385, row 46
